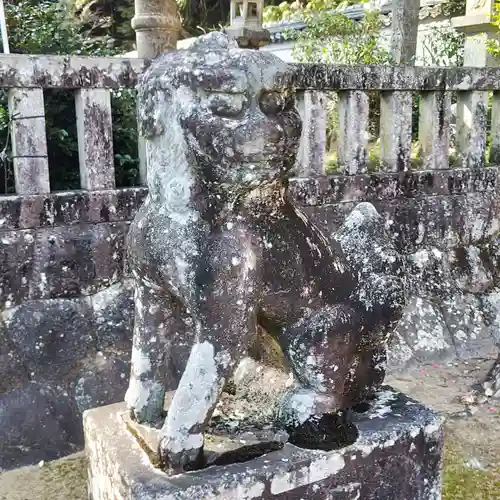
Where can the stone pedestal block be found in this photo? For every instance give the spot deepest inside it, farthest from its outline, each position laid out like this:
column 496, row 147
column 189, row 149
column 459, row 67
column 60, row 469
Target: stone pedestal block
column 397, row 456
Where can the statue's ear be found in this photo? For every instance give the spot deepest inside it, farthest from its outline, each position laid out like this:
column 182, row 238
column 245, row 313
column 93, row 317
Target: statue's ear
column 151, row 109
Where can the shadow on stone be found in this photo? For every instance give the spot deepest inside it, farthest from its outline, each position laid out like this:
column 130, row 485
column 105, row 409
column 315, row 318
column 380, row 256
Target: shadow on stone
column 327, row 432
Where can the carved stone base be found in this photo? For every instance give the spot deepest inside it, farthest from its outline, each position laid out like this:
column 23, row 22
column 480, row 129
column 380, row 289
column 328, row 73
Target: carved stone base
column 397, row 456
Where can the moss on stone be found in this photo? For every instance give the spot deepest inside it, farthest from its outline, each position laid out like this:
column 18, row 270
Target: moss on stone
column 57, row 480
column 461, row 482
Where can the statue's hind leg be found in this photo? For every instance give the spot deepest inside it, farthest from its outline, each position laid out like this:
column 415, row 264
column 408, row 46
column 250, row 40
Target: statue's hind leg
column 322, row 348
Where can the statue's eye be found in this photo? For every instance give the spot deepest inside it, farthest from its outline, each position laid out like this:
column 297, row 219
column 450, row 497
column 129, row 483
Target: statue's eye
column 228, row 105
column 272, row 103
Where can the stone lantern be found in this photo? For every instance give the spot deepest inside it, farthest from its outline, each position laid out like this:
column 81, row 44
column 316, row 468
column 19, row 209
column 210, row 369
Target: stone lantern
column 246, row 24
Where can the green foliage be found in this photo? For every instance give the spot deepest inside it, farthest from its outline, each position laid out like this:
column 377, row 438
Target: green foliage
column 494, row 45
column 46, row 28
column 199, row 16
column 461, row 482
column 125, row 134
column 336, row 39
column 108, row 20
column 297, row 10
column 443, row 46
column 36, row 27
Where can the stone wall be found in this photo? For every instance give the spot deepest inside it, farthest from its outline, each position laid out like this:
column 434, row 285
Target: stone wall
column 66, row 317
column 67, row 306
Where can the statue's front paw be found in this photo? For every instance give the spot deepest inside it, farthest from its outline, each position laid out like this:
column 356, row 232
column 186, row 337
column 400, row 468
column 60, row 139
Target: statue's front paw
column 179, row 456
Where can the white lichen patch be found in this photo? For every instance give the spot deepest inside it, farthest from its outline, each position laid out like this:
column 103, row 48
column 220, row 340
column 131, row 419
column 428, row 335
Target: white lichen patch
column 318, row 470
column 381, row 405
column 197, row 392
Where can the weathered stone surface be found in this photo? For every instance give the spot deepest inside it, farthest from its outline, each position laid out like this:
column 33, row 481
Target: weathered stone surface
column 102, row 381
column 51, row 336
column 471, row 270
column 472, row 120
column 404, row 27
column 397, row 456
column 75, row 261
column 222, row 447
column 428, row 274
column 29, row 431
column 311, row 157
column 352, row 147
column 379, row 186
column 491, row 384
column 61, row 397
column 495, row 128
column 423, row 328
column 434, row 129
column 13, row 374
column 325, row 77
column 490, row 307
column 16, row 257
column 464, row 319
column 399, row 353
column 157, row 26
column 248, row 38
column 69, row 208
column 19, row 70
column 395, row 130
column 442, row 222
column 113, row 310
column 434, row 215
column 95, row 139
column 443, row 317
column 29, row 143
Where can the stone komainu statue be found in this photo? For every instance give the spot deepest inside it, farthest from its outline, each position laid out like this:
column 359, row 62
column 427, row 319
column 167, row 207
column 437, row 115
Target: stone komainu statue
column 218, row 249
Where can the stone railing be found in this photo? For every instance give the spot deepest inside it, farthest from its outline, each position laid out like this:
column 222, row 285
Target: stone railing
column 65, row 302
column 26, row 77
column 397, row 86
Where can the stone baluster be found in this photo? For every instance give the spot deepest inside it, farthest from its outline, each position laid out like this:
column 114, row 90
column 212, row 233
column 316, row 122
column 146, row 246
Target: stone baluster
column 434, row 129
column 395, row 130
column 29, row 142
column 472, row 106
column 472, row 111
column 95, row 139
column 495, row 129
column 396, row 107
column 352, row 143
column 311, row 158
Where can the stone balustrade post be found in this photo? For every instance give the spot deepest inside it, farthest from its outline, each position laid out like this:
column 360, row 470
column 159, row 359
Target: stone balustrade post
column 472, row 106
column 311, row 158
